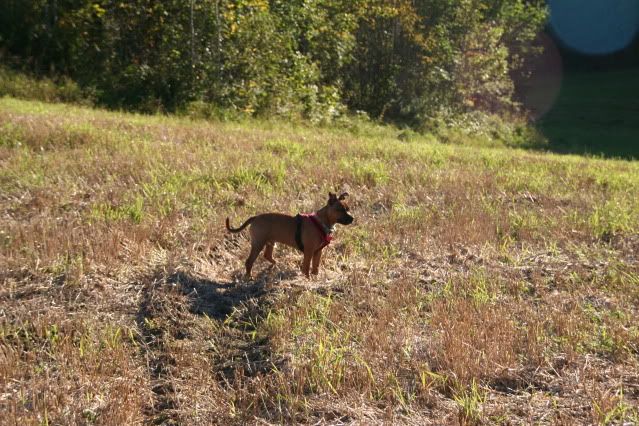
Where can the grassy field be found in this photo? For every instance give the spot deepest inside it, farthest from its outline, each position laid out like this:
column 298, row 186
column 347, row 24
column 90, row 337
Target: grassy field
column 596, row 113
column 477, row 285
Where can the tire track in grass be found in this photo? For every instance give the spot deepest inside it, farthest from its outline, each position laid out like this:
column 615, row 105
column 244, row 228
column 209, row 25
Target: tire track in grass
column 153, row 314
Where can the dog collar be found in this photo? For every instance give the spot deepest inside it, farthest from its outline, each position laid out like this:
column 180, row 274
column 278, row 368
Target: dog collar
column 327, row 230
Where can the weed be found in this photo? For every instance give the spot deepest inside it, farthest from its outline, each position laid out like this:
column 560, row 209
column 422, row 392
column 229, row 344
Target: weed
column 366, row 172
column 610, row 219
column 243, row 178
column 292, row 150
column 132, row 211
column 469, row 402
column 404, row 213
column 611, row 408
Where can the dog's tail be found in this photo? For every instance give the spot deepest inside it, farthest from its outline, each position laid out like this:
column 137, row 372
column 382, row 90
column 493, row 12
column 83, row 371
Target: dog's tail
column 244, row 225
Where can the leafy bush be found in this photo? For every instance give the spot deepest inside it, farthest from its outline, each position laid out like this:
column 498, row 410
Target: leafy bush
column 22, row 86
column 477, row 127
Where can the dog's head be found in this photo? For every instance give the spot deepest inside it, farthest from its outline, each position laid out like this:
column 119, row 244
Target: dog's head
column 338, row 209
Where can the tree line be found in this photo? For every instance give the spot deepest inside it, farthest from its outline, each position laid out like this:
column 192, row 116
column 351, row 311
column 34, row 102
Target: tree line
column 400, row 60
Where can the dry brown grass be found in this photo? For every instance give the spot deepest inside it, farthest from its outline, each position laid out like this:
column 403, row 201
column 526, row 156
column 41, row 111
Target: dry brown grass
column 478, row 286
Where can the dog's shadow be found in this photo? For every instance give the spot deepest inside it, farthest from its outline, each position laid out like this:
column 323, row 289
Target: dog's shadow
column 218, row 299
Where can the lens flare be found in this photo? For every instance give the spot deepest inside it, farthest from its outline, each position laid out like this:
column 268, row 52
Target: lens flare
column 539, row 91
column 595, row 27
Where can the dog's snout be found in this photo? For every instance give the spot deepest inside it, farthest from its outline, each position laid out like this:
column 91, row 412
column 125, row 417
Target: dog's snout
column 347, row 220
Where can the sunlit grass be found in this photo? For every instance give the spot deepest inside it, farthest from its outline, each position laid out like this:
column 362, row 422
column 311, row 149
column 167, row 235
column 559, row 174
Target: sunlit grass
column 472, row 277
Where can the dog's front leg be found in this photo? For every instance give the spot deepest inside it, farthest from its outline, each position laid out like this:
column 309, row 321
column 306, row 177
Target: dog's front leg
column 306, row 263
column 316, row 262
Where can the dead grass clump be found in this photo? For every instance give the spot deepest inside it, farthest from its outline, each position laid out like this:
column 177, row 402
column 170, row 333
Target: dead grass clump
column 479, row 341
column 462, row 215
column 610, row 406
column 61, row 370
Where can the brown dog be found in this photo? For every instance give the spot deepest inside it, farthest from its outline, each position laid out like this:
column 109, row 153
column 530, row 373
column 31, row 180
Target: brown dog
column 308, row 233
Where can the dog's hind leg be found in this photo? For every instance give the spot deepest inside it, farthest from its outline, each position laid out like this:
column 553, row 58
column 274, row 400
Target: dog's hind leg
column 268, row 252
column 256, row 248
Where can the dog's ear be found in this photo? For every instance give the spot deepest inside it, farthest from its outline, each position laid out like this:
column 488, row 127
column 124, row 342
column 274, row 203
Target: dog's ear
column 343, row 196
column 332, row 198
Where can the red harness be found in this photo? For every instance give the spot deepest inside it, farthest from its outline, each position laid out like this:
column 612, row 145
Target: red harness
column 326, row 237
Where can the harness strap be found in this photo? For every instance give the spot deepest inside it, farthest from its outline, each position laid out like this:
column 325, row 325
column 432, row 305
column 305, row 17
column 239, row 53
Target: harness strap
column 326, row 236
column 298, row 232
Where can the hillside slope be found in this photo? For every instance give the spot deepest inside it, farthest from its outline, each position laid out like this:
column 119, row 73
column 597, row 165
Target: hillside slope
column 596, row 112
column 476, row 285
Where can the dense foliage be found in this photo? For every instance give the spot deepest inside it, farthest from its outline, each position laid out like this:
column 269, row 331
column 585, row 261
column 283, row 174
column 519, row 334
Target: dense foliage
column 402, row 60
